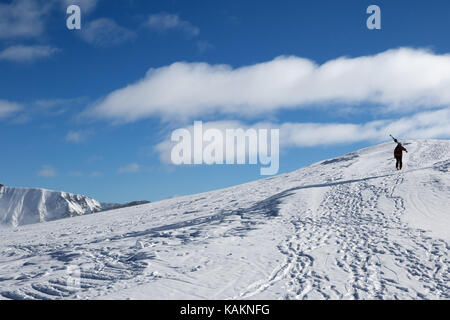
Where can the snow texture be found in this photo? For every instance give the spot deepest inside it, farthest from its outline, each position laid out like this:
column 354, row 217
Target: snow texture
column 346, row 228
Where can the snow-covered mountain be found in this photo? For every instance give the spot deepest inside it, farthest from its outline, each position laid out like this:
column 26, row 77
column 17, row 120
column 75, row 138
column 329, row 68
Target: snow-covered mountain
column 20, row 206
column 345, row 228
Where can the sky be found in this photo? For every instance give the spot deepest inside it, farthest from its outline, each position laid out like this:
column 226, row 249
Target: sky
column 91, row 111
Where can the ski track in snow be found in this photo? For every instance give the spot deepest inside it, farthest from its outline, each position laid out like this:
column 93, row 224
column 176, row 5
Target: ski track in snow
column 324, row 232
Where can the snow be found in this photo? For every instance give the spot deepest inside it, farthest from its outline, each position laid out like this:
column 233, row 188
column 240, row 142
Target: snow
column 20, row 206
column 346, row 228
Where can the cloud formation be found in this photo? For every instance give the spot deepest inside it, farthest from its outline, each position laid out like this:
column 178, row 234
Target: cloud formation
column 105, row 32
column 430, row 124
column 77, row 136
column 163, row 22
column 23, row 18
column 22, row 53
column 402, row 79
column 8, row 108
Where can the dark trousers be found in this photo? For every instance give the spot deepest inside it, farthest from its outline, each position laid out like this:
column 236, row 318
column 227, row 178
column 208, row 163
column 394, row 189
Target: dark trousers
column 399, row 163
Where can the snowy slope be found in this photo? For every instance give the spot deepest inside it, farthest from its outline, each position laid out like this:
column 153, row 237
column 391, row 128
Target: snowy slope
column 345, row 228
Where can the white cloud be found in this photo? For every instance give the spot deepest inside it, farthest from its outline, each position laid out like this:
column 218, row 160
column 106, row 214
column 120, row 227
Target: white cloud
column 105, row 32
column 163, row 22
column 402, row 79
column 8, row 108
column 77, row 136
column 22, row 53
column 430, row 124
column 47, row 172
column 55, row 107
column 40, row 108
column 131, row 168
column 23, row 18
column 27, row 18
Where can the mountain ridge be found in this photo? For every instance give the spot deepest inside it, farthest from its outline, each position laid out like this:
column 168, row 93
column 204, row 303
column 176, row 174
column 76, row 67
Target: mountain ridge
column 22, row 206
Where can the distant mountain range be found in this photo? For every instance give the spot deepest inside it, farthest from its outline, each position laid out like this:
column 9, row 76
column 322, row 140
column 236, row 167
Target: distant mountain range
column 21, row 206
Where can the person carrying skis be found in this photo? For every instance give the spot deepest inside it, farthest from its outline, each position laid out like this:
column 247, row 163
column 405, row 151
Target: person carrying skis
column 398, row 154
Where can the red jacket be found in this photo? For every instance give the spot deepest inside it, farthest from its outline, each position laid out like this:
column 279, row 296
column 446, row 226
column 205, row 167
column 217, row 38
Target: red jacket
column 398, row 152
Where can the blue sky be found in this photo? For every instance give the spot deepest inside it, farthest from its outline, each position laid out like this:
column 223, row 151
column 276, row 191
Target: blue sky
column 63, row 129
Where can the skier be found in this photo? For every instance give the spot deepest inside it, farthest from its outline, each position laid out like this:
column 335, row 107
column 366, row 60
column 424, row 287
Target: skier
column 398, row 154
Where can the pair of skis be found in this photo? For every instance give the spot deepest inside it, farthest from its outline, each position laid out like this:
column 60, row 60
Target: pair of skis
column 395, row 140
